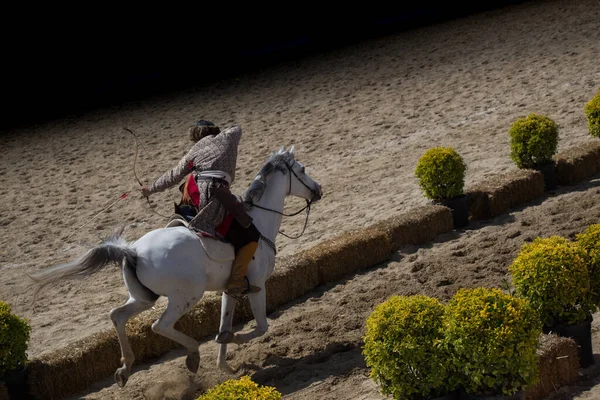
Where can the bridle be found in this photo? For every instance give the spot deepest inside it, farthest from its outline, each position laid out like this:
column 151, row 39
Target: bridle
column 307, row 207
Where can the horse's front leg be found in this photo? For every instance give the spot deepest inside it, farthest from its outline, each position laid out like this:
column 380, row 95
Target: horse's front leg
column 225, row 330
column 258, row 304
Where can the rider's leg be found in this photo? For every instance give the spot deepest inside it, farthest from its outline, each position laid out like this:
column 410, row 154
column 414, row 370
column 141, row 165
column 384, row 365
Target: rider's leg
column 245, row 241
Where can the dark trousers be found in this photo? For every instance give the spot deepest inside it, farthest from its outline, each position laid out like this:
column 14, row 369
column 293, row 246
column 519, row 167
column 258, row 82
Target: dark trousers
column 240, row 236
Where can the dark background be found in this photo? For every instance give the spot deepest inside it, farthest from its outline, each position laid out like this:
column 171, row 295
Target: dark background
column 56, row 62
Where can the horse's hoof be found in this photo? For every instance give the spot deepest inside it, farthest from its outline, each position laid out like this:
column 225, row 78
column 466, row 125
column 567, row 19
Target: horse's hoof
column 226, row 368
column 224, row 337
column 121, row 376
column 192, row 362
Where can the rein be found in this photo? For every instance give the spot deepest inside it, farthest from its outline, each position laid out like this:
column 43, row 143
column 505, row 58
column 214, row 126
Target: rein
column 307, row 208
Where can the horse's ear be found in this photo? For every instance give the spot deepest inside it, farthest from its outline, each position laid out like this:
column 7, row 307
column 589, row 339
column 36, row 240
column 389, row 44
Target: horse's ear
column 292, row 149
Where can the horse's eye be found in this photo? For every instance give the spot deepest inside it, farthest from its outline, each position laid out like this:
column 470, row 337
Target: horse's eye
column 302, row 169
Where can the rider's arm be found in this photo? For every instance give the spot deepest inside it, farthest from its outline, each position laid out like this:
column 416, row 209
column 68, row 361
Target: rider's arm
column 175, row 175
column 234, row 133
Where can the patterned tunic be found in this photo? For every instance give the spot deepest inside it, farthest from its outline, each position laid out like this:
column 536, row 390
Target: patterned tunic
column 209, row 153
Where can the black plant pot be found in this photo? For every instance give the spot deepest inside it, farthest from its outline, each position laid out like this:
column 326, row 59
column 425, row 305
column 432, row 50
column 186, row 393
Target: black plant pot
column 459, row 206
column 516, row 396
column 16, row 385
column 549, row 172
column 582, row 335
column 455, row 395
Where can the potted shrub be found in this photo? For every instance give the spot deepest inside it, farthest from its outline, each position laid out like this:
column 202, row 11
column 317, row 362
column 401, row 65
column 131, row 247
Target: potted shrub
column 589, row 241
column 402, row 347
column 241, row 389
column 533, row 142
column 14, row 338
column 493, row 338
column 592, row 114
column 552, row 274
column 441, row 174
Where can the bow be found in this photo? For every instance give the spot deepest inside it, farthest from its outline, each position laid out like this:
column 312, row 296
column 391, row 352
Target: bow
column 137, row 147
column 138, row 143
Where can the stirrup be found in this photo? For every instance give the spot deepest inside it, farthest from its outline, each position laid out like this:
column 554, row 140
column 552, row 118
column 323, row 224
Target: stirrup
column 238, row 291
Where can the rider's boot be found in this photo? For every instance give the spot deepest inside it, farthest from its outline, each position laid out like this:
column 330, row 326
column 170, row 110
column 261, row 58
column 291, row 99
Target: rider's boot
column 238, row 283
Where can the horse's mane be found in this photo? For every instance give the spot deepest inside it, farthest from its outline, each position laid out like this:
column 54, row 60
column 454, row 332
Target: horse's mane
column 277, row 161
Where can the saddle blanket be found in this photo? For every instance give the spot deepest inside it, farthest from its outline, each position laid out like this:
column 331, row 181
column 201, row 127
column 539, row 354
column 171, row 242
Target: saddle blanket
column 217, row 249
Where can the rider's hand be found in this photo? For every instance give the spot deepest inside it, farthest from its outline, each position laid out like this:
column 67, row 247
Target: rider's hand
column 145, row 191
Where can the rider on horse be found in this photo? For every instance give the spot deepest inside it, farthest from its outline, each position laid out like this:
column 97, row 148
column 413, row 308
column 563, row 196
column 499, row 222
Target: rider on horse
column 210, row 167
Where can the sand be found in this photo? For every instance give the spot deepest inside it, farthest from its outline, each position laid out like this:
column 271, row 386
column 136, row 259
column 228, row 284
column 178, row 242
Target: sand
column 359, row 117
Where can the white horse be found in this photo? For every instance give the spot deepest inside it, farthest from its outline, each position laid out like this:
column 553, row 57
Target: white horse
column 174, row 262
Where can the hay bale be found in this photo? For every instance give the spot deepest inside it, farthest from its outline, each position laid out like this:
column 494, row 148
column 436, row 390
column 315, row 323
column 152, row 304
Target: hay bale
column 416, row 227
column 70, row 370
column 578, row 163
column 293, row 277
column 559, row 365
column 346, row 253
column 506, row 191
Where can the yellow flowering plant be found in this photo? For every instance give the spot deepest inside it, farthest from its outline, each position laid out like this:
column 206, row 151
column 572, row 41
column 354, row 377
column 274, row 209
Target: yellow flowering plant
column 592, row 114
column 552, row 274
column 14, row 339
column 589, row 241
column 402, row 347
column 241, row 389
column 493, row 337
column 533, row 140
column 441, row 173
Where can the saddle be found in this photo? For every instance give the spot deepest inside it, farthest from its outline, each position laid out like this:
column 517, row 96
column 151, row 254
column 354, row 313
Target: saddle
column 217, row 249
column 189, row 205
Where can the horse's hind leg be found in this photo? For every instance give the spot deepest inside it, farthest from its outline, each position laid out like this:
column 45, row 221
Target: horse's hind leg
column 178, row 305
column 119, row 317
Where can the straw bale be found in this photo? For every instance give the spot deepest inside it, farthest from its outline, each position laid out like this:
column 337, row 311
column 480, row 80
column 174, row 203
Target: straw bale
column 416, row 227
column 293, row 277
column 347, row 253
column 508, row 190
column 559, row 365
column 578, row 163
column 3, row 392
column 70, row 370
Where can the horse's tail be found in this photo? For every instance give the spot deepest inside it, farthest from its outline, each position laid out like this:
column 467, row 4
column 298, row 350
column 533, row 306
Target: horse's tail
column 113, row 249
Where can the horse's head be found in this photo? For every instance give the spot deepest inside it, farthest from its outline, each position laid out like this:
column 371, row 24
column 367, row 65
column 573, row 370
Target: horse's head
column 299, row 183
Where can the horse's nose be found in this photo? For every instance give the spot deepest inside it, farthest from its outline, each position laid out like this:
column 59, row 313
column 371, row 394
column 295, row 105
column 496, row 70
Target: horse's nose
column 319, row 192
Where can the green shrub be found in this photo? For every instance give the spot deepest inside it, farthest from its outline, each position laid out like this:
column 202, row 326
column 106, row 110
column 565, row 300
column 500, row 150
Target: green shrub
column 403, row 347
column 441, row 173
column 14, row 338
column 589, row 241
column 533, row 140
column 493, row 337
column 552, row 274
column 241, row 389
column 592, row 114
